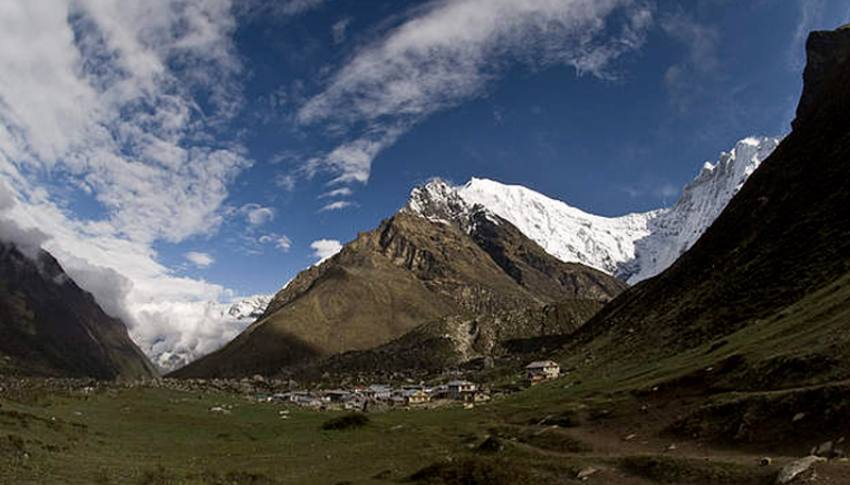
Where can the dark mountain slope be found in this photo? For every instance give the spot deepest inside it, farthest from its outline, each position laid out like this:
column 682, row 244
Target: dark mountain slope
column 51, row 327
column 755, row 281
column 412, row 269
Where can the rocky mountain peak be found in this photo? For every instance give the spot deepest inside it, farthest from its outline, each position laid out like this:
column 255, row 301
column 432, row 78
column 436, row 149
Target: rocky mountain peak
column 439, row 201
column 825, row 50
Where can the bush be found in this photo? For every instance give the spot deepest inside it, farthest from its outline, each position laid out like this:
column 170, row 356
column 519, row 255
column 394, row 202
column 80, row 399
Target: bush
column 348, row 421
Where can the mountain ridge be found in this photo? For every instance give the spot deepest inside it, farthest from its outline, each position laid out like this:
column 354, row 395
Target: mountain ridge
column 410, row 270
column 634, row 246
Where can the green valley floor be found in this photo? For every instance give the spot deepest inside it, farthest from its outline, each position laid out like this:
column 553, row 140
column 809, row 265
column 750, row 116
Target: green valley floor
column 553, row 433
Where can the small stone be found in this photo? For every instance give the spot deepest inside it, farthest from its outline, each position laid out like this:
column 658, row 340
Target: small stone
column 629, row 437
column 586, row 473
column 824, row 449
column 798, row 468
column 765, row 461
column 672, row 447
column 798, row 417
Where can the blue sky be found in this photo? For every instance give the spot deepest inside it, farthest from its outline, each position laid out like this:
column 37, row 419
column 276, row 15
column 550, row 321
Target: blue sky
column 175, row 152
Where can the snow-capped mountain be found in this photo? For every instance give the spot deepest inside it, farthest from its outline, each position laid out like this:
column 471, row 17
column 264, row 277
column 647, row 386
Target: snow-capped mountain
column 250, row 308
column 633, row 247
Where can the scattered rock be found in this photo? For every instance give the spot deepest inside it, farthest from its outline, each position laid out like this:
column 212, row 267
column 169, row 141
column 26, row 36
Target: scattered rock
column 672, row 447
column 629, row 437
column 765, row 461
column 798, row 417
column 491, row 445
column 802, row 468
column 586, row 473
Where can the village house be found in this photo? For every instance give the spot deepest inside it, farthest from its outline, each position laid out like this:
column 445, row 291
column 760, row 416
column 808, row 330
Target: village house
column 337, row 395
column 415, row 396
column 460, row 389
column 542, row 370
column 379, row 392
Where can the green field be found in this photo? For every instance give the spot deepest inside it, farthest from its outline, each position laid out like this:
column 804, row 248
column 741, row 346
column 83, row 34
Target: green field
column 151, row 435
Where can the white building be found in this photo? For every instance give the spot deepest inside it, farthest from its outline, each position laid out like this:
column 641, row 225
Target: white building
column 542, row 370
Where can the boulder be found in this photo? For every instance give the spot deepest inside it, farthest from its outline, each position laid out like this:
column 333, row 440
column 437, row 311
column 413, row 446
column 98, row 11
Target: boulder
column 799, row 469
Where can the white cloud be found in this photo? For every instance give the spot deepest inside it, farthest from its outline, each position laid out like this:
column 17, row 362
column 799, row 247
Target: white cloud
column 280, row 241
column 336, row 205
column 340, row 192
column 257, row 215
column 325, row 248
column 104, row 96
column 450, row 51
column 27, row 240
column 201, row 260
column 285, row 182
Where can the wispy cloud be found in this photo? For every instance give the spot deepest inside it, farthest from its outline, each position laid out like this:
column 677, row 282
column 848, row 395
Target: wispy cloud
column 336, row 205
column 257, row 215
column 278, row 8
column 340, row 192
column 279, row 241
column 447, row 52
column 325, row 248
column 339, row 30
column 683, row 79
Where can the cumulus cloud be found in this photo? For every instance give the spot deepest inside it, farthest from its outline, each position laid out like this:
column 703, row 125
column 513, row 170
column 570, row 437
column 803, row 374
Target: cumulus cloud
column 124, row 101
column 449, row 51
column 325, row 248
column 201, row 260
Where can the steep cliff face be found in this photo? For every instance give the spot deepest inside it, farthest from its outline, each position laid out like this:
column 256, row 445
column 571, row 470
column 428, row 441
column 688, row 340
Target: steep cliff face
column 51, row 327
column 412, row 269
column 824, row 51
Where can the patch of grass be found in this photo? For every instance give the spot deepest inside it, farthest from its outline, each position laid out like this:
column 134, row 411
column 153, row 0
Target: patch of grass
column 474, row 471
column 349, row 421
column 665, row 469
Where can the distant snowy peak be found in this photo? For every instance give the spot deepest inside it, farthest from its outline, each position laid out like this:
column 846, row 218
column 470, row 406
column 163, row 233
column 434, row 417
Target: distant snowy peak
column 633, row 247
column 250, row 308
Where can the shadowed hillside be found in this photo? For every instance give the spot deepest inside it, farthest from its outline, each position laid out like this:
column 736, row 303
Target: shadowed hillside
column 51, row 327
column 766, row 286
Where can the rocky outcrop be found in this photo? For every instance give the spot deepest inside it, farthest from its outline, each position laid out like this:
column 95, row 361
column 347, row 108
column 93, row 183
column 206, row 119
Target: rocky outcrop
column 825, row 50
